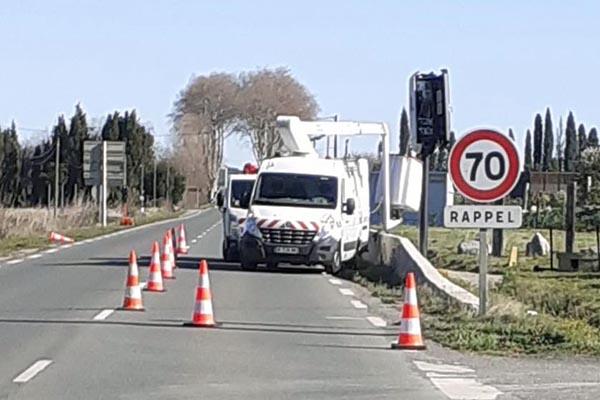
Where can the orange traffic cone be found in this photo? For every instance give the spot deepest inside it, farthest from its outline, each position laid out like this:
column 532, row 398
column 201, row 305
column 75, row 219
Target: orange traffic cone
column 133, row 292
column 58, row 238
column 167, row 264
column 410, row 326
column 182, row 247
column 203, row 310
column 155, row 282
column 173, row 246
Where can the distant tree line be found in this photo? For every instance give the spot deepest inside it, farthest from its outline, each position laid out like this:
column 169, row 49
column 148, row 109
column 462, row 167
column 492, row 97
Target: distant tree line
column 557, row 149
column 27, row 172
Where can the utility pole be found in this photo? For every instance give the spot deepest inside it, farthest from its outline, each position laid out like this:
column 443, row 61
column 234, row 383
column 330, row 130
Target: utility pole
column 168, row 182
column 142, row 198
column 56, row 173
column 154, row 186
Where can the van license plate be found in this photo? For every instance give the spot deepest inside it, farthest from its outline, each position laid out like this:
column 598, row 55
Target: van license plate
column 287, row 250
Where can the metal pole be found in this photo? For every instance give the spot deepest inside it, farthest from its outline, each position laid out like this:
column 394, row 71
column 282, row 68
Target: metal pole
column 424, row 217
column 62, row 197
column 49, row 195
column 551, row 250
column 483, row 266
column 154, row 186
column 570, row 217
column 385, row 174
column 142, row 198
column 335, row 140
column 598, row 245
column 56, row 174
column 104, row 183
column 168, row 183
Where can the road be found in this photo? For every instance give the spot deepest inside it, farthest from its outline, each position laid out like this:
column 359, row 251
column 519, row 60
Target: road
column 288, row 334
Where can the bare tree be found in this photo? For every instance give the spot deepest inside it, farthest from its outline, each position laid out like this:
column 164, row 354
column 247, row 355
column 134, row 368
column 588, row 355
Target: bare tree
column 204, row 114
column 264, row 95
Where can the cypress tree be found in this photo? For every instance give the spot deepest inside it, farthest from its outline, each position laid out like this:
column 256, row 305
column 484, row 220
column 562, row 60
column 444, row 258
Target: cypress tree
column 78, row 133
column 110, row 130
column 571, row 147
column 581, row 138
column 593, row 138
column 10, row 167
column 537, row 143
column 404, row 133
column 548, row 141
column 511, row 134
column 528, row 151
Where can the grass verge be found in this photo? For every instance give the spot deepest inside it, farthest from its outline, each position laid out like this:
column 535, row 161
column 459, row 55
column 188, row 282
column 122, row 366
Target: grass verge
column 558, row 327
column 36, row 241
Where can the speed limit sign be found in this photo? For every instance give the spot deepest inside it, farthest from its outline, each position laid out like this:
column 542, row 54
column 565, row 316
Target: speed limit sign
column 484, row 165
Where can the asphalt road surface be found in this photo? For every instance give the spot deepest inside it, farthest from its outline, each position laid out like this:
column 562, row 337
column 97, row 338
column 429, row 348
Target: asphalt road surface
column 284, row 334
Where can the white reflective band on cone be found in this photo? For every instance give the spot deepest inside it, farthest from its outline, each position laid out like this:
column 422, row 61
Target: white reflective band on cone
column 203, row 307
column 411, row 297
column 204, row 283
column 411, row 326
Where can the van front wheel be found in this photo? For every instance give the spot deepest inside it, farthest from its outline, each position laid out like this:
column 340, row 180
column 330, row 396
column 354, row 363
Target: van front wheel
column 335, row 266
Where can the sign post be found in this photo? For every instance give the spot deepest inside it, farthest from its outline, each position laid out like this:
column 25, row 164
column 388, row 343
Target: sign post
column 484, row 167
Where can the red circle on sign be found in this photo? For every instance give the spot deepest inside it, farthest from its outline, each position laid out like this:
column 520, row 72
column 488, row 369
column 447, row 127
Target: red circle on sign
column 509, row 181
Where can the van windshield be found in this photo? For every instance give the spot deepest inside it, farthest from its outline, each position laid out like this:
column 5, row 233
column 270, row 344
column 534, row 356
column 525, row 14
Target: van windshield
column 296, row 190
column 238, row 190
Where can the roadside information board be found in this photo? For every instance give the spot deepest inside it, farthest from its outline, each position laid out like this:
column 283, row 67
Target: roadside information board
column 484, row 167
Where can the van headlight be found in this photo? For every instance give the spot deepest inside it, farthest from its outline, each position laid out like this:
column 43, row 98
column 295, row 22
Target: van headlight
column 251, row 228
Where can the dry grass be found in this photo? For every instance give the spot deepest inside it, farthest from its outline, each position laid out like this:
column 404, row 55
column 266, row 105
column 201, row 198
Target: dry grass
column 20, row 222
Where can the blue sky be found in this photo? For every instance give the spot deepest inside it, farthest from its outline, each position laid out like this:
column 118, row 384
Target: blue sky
column 507, row 59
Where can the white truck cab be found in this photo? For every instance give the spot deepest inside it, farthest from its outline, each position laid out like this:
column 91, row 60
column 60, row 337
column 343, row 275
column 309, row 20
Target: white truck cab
column 233, row 212
column 307, row 210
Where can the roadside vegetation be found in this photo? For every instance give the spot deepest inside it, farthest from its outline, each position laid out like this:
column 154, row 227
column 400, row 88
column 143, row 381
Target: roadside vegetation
column 27, row 229
column 544, row 313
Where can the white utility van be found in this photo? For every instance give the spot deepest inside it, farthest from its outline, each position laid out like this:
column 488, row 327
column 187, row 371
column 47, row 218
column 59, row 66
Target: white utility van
column 229, row 201
column 307, row 210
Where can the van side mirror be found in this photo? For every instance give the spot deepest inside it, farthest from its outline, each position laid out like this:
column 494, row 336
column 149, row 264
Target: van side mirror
column 349, row 206
column 245, row 201
column 220, row 200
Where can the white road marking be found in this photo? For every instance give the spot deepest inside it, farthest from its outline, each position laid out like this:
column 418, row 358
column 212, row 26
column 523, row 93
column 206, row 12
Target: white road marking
column 33, row 256
column 457, row 382
column 143, row 285
column 346, row 292
column 335, row 281
column 443, row 368
column 50, row 251
column 32, row 371
column 342, row 318
column 465, row 388
column 66, row 246
column 102, row 315
column 77, row 243
column 358, row 304
column 16, row 261
column 195, row 241
column 377, row 322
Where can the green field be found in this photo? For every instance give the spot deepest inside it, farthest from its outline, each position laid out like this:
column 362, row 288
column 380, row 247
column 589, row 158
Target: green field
column 530, row 312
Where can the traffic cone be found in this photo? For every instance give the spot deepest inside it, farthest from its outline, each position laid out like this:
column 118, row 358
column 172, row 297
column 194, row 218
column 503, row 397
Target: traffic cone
column 155, row 282
column 58, row 238
column 182, row 247
column 133, row 292
column 410, row 326
column 203, row 310
column 167, row 263
column 173, row 247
